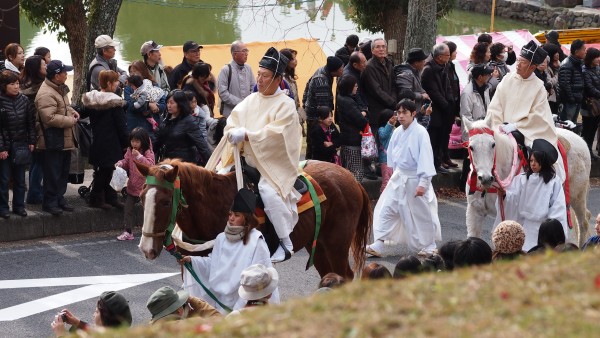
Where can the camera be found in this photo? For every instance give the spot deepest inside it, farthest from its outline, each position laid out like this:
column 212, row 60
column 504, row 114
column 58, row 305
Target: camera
column 63, row 315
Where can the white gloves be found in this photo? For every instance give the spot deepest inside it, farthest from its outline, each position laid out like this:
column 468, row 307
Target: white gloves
column 237, row 135
column 508, row 128
column 568, row 124
column 555, row 118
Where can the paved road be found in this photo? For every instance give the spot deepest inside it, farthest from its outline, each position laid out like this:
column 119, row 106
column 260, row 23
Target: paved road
column 28, row 307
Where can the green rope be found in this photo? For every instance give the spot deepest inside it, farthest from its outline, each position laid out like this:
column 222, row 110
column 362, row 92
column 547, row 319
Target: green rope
column 317, row 204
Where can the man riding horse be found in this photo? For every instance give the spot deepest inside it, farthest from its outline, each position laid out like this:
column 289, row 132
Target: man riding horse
column 521, row 103
column 265, row 128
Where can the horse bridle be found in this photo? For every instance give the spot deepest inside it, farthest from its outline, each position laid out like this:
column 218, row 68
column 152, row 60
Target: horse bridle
column 178, row 200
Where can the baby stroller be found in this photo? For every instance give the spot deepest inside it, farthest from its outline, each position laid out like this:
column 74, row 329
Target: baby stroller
column 84, row 191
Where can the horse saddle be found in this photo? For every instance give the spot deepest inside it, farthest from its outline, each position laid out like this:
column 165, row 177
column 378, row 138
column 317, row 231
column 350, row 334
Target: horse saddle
column 251, row 179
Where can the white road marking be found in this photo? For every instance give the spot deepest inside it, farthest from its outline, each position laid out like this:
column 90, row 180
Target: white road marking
column 95, row 285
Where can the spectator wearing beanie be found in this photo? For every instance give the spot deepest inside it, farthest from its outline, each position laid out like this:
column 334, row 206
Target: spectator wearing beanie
column 319, row 93
column 508, row 238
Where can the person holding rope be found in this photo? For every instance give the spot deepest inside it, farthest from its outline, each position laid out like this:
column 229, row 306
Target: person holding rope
column 535, row 195
column 237, row 248
column 265, row 128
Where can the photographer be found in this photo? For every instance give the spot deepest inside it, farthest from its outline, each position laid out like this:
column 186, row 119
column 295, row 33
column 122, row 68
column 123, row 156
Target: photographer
column 112, row 310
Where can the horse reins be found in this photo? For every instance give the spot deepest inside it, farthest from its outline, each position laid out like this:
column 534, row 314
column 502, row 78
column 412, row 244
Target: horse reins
column 518, row 163
column 178, row 200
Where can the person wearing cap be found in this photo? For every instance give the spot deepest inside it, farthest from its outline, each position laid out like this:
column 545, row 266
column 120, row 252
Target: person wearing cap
column 436, row 83
column 535, row 195
column 257, row 285
column 407, row 76
column 319, row 93
column 508, row 239
column 235, row 79
column 238, row 247
column 112, row 310
column 264, row 126
column 54, row 124
column 150, row 50
column 191, row 56
column 377, row 83
column 104, row 60
column 166, row 304
column 347, row 49
column 571, row 83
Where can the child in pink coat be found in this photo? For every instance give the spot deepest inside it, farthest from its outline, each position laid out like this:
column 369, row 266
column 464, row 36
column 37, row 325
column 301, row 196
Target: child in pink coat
column 140, row 150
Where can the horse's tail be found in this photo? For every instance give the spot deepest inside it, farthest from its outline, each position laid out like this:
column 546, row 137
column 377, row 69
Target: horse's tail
column 363, row 232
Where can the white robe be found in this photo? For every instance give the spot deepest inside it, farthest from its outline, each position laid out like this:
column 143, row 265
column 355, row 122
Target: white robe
column 221, row 271
column 400, row 216
column 273, row 147
column 524, row 102
column 530, row 202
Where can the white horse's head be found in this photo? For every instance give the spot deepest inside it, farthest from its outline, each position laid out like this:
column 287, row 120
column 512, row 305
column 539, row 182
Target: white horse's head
column 482, row 147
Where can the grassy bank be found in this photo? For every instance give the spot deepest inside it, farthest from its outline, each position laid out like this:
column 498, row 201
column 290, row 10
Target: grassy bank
column 553, row 295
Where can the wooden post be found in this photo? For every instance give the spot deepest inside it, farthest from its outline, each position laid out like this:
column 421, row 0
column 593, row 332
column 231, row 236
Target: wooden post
column 493, row 14
column 9, row 24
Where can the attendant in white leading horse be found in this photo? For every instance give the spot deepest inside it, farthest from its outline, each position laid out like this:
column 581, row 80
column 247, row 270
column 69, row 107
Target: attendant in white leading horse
column 407, row 209
column 535, row 195
column 494, row 157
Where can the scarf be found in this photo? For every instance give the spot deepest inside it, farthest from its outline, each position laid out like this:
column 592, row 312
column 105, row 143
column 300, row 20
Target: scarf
column 9, row 66
column 234, row 233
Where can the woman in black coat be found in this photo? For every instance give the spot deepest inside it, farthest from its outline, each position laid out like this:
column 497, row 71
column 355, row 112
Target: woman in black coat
column 17, row 132
column 107, row 119
column 591, row 90
column 352, row 122
column 179, row 135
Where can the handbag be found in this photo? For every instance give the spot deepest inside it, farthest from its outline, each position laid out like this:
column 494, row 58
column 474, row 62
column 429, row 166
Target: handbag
column 85, row 137
column 368, row 146
column 594, row 105
column 20, row 153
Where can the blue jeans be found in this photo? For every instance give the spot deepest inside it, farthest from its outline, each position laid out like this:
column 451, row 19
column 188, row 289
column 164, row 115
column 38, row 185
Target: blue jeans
column 570, row 111
column 35, row 194
column 17, row 172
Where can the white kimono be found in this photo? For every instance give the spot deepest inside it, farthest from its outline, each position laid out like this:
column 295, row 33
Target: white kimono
column 530, row 202
column 524, row 102
column 221, row 271
column 400, row 216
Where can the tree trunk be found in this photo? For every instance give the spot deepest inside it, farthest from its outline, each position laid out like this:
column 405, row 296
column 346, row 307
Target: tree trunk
column 75, row 25
column 102, row 20
column 394, row 27
column 421, row 26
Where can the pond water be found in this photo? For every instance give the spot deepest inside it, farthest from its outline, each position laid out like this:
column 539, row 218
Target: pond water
column 171, row 22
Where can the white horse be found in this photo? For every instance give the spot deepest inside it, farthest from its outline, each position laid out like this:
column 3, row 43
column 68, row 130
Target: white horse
column 485, row 146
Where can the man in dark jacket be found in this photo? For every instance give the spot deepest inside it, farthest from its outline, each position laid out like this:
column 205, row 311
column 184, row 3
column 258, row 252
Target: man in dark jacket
column 570, row 82
column 104, row 60
column 378, row 83
column 191, row 56
column 436, row 83
column 318, row 93
column 356, row 65
column 408, row 76
column 344, row 52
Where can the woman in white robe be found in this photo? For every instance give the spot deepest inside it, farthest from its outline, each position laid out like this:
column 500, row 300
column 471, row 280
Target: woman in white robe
column 235, row 249
column 535, row 195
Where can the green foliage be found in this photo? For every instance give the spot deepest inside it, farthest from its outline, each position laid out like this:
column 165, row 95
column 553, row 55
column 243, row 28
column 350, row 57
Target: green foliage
column 47, row 14
column 368, row 15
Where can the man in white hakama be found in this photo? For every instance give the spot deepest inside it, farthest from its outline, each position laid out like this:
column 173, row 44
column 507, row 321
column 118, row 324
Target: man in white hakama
column 406, row 212
column 265, row 127
column 521, row 103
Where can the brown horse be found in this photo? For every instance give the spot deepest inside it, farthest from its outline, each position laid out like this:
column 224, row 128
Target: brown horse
column 346, row 214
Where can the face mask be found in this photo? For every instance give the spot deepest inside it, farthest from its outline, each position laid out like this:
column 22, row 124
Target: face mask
column 504, row 56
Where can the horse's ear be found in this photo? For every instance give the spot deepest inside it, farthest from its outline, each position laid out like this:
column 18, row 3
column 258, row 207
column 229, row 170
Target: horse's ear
column 143, row 168
column 467, row 123
column 171, row 175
